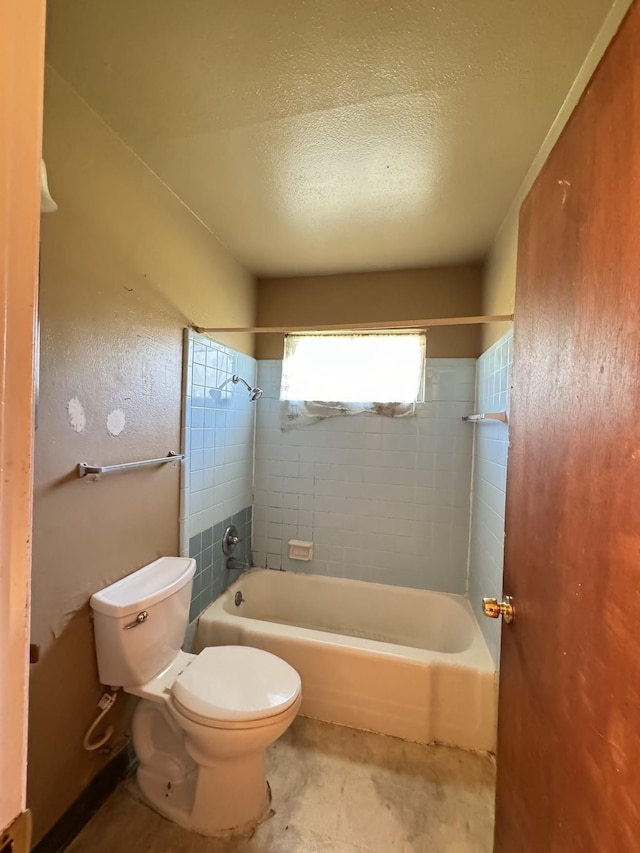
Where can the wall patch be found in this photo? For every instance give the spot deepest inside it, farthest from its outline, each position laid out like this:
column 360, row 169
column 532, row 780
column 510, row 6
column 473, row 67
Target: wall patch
column 115, row 422
column 77, row 417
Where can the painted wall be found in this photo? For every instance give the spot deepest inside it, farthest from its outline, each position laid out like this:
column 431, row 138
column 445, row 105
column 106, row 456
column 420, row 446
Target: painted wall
column 499, row 280
column 499, row 283
column 382, row 499
column 124, row 266
column 218, row 429
column 491, row 446
column 380, row 296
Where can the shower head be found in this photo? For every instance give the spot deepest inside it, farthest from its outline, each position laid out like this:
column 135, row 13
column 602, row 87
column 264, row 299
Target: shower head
column 254, row 393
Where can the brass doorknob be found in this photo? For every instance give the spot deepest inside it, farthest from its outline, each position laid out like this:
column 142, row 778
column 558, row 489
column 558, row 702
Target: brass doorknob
column 493, row 608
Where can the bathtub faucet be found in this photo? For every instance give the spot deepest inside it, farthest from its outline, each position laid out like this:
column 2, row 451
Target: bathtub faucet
column 233, row 564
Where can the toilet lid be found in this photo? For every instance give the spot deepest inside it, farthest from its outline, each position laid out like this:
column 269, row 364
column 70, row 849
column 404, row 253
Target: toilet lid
column 237, row 683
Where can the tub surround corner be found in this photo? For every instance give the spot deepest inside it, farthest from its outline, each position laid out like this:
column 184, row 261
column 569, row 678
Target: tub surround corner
column 218, row 427
column 491, row 448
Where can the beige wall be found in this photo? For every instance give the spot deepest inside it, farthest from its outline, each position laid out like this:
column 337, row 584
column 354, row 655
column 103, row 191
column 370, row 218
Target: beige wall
column 372, row 297
column 499, row 284
column 124, row 266
column 499, row 281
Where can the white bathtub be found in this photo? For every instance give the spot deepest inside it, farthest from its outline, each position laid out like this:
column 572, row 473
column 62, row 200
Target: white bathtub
column 399, row 661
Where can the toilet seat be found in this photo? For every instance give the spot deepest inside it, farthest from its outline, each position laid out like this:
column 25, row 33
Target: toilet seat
column 235, row 687
column 181, row 714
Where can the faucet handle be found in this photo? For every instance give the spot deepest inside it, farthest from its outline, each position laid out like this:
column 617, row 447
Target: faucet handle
column 230, row 539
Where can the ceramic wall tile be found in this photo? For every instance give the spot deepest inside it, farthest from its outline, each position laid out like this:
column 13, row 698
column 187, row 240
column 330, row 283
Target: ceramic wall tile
column 366, row 489
column 218, row 433
column 489, row 486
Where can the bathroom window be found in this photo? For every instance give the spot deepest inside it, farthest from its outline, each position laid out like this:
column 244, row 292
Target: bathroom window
column 328, row 374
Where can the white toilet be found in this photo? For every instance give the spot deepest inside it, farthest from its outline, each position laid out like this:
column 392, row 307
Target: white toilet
column 204, row 722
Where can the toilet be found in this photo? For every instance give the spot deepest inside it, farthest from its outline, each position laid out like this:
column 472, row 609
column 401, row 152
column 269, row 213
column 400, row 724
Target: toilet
column 204, row 721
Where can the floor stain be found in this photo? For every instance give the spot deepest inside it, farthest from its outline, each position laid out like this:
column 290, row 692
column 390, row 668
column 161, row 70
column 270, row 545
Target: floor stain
column 335, row 790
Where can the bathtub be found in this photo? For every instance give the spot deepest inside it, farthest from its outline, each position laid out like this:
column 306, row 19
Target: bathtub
column 397, row 661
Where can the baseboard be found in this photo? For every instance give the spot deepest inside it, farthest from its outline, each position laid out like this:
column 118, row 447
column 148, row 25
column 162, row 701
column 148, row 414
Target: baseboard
column 82, row 810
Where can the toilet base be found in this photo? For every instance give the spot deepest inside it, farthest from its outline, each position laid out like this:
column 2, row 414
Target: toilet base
column 209, row 780
column 179, row 803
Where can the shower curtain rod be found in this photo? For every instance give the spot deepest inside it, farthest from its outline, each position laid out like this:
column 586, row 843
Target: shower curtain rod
column 361, row 327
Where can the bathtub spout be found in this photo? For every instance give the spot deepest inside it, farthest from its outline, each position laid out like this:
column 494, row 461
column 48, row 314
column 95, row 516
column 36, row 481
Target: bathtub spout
column 233, row 564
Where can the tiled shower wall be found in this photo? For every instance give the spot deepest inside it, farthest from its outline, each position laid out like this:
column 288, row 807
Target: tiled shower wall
column 489, row 484
column 218, row 433
column 382, row 499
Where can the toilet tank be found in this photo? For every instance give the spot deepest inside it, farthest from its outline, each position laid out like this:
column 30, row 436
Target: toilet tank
column 141, row 620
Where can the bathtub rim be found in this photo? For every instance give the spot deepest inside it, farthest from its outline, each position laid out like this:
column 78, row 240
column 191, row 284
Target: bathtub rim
column 476, row 655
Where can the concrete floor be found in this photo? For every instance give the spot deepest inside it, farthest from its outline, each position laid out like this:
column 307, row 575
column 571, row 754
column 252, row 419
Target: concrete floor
column 335, row 790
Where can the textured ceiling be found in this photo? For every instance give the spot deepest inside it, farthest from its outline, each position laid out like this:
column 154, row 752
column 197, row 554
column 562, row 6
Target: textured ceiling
column 317, row 136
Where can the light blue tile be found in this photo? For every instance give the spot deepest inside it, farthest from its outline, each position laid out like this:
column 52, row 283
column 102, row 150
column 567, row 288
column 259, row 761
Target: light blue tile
column 195, row 417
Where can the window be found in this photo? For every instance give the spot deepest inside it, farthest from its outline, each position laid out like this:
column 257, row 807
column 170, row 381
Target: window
column 377, row 372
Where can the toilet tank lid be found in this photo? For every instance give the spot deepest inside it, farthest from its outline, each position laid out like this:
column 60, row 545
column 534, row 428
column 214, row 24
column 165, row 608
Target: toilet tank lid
column 145, row 587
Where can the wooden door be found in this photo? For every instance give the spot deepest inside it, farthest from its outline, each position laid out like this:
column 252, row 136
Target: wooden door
column 569, row 713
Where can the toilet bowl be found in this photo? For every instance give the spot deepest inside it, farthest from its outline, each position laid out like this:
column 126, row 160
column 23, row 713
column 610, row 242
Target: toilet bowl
column 203, row 721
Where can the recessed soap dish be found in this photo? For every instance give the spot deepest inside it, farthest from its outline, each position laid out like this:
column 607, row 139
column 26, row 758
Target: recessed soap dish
column 299, row 550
